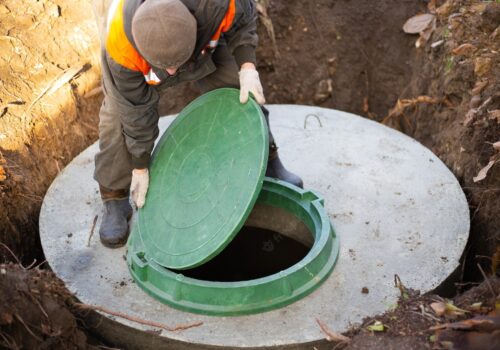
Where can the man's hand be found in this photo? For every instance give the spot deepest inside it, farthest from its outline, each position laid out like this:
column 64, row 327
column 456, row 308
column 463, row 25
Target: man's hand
column 250, row 82
column 139, row 186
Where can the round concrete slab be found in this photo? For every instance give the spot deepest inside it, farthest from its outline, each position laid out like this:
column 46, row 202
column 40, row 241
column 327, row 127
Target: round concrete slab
column 394, row 204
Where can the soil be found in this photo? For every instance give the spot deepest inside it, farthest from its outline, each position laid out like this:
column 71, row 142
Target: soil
column 34, row 312
column 40, row 134
column 350, row 55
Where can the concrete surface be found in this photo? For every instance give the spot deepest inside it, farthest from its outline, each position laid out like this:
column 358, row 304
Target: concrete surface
column 394, row 204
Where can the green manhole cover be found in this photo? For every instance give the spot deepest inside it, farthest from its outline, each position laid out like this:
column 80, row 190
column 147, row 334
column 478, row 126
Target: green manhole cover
column 206, row 174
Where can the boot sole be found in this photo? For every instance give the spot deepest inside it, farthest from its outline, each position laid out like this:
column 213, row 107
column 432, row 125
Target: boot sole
column 121, row 242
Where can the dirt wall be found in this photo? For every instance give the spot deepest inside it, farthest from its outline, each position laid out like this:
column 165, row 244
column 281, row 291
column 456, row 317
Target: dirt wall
column 48, row 107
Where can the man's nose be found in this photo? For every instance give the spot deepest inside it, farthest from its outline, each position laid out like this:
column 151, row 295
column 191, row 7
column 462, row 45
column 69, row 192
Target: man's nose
column 171, row 71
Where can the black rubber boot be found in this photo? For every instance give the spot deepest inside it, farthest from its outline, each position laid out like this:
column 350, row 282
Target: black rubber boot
column 276, row 169
column 274, row 166
column 114, row 226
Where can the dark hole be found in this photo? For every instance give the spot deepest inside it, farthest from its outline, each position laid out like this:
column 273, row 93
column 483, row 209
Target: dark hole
column 253, row 253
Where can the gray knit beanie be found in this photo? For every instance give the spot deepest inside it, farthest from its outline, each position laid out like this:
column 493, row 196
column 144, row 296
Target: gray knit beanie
column 164, row 32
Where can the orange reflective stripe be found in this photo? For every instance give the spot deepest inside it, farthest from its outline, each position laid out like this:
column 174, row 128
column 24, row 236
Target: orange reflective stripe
column 119, row 47
column 227, row 21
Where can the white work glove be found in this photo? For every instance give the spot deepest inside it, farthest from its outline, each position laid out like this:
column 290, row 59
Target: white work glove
column 139, row 186
column 250, row 82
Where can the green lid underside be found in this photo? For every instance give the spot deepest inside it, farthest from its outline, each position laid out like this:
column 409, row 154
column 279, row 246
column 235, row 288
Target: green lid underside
column 206, row 174
column 253, row 296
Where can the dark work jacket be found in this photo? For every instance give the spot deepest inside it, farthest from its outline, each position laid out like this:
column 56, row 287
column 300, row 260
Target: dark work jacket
column 136, row 102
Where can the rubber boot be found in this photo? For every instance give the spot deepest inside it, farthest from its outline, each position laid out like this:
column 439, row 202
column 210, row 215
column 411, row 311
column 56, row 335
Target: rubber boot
column 276, row 169
column 114, row 228
column 274, row 166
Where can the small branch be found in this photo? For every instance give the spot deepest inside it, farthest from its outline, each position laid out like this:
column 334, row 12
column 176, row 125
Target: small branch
column 139, row 320
column 11, row 253
column 330, row 335
column 488, row 283
column 91, row 233
column 27, row 328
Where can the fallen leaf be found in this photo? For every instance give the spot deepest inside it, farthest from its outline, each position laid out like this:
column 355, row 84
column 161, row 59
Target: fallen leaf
column 323, row 91
column 494, row 114
column 482, row 66
column 476, row 306
column 495, row 34
column 437, row 43
column 418, row 23
column 431, row 6
column 464, row 50
column 484, row 171
column 470, row 116
column 439, row 308
column 452, row 308
column 376, row 327
column 445, row 9
column 479, row 323
column 478, row 7
column 425, row 35
column 478, row 88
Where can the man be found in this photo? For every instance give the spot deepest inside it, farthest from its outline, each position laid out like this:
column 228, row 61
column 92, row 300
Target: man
column 154, row 44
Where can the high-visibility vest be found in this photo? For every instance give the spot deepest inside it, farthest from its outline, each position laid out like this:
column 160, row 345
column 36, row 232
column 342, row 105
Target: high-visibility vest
column 121, row 50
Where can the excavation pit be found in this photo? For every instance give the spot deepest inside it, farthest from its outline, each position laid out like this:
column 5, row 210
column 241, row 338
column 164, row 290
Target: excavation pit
column 394, row 205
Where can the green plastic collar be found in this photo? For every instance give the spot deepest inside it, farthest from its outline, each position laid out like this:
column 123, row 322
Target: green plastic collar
column 253, row 296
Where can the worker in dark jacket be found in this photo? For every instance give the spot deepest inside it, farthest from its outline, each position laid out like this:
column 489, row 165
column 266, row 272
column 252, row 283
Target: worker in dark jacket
column 153, row 44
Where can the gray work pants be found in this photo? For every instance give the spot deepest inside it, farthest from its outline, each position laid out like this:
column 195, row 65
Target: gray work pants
column 113, row 166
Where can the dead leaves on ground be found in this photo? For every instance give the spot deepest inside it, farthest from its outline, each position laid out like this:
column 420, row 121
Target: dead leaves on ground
column 418, row 23
column 398, row 112
column 493, row 160
column 447, row 309
column 377, row 326
column 464, row 50
column 423, row 24
column 478, row 333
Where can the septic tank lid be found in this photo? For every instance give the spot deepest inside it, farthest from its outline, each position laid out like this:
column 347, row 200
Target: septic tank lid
column 206, row 174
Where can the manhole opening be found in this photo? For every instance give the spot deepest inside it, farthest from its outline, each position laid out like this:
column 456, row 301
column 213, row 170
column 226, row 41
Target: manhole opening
column 271, row 241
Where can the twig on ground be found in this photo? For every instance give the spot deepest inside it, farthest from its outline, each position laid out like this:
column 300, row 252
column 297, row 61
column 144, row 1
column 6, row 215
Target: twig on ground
column 30, row 265
column 488, row 283
column 402, row 289
column 11, row 253
column 139, row 320
column 91, row 233
column 27, row 328
column 330, row 335
column 93, row 92
column 9, row 341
